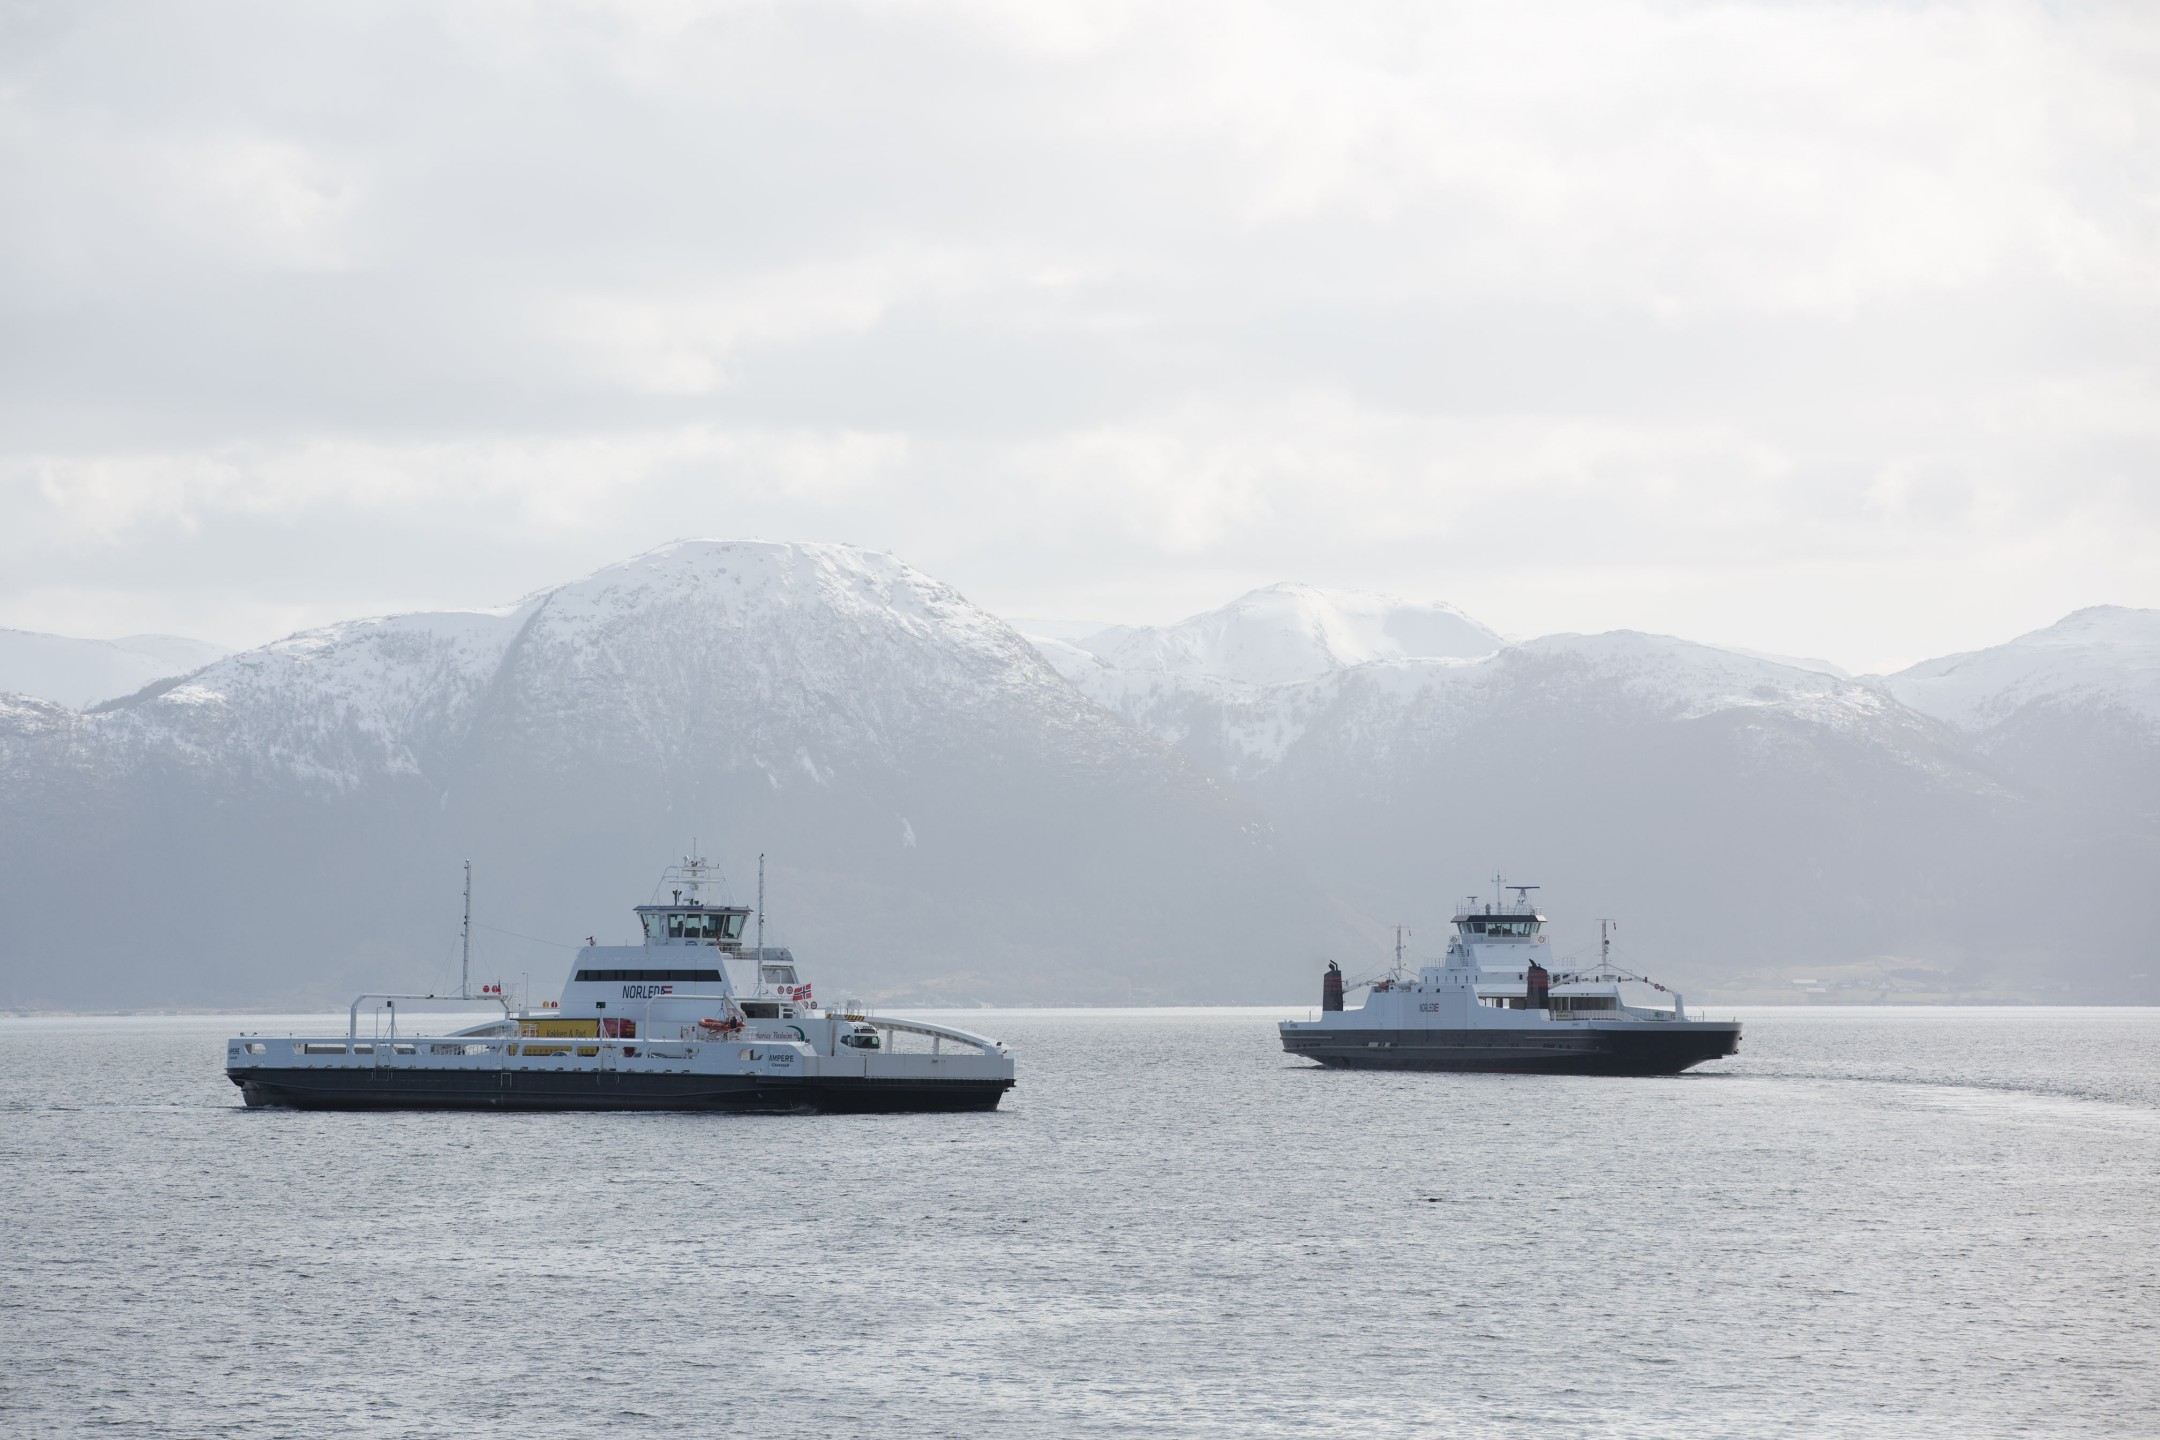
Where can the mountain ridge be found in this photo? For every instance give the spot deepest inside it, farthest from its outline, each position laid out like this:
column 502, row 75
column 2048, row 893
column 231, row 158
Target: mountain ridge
column 958, row 813
column 1627, row 745
column 78, row 674
column 919, row 769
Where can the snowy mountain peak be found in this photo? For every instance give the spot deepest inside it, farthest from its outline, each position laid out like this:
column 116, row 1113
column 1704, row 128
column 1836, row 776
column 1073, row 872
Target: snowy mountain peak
column 80, row 673
column 1289, row 632
column 732, row 578
column 1683, row 679
column 2104, row 656
column 777, row 636
column 815, row 611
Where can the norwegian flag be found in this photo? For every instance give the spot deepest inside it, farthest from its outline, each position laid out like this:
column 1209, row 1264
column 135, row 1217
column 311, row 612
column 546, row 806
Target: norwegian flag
column 799, row 993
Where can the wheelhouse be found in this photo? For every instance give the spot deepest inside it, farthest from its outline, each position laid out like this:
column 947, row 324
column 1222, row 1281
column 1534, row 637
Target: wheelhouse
column 1499, row 927
column 692, row 923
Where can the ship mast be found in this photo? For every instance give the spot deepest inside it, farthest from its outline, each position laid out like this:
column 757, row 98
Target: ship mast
column 694, row 872
column 464, row 986
column 761, row 921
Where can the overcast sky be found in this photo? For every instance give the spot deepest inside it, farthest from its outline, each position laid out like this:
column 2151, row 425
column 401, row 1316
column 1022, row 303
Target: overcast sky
column 1821, row 328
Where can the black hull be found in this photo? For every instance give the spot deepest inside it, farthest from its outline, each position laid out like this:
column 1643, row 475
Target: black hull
column 413, row 1089
column 1651, row 1049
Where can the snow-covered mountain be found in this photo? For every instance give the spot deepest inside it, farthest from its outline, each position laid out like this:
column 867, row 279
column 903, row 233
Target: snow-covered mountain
column 946, row 817
column 1233, row 687
column 1745, row 810
column 2071, row 712
column 1738, row 813
column 1288, row 632
column 80, row 673
column 2106, row 657
column 1796, row 662
column 1192, row 812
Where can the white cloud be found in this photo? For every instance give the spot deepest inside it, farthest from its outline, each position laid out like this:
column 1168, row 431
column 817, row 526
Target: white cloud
column 1835, row 318
column 683, row 342
column 569, row 484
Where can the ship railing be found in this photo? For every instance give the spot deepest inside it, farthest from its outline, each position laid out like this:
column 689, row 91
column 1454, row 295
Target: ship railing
column 887, row 1025
column 352, row 1023
column 501, row 1046
column 392, row 1044
column 608, row 1050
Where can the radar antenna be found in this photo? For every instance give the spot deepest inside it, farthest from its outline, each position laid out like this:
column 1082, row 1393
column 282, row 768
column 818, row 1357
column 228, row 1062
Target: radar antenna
column 686, row 881
column 1522, row 894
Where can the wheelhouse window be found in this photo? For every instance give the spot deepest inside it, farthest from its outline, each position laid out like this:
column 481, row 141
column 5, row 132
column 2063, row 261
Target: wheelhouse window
column 696, row 925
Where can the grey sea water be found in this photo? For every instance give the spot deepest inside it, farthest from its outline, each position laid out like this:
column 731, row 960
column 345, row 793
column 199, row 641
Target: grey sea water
column 1869, row 1223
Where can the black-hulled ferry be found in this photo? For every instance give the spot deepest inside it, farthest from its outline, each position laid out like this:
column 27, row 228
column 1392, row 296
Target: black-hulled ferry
column 1496, row 1004
column 691, row 1019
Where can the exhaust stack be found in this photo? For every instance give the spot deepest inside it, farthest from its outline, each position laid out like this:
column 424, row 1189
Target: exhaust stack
column 1331, row 987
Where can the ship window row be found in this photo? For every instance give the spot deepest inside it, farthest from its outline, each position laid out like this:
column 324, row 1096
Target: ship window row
column 610, row 977
column 721, row 925
column 1502, row 927
column 1556, row 1002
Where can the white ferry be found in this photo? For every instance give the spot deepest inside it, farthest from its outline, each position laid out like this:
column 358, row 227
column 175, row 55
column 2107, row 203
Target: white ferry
column 1497, row 1004
column 690, row 1019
